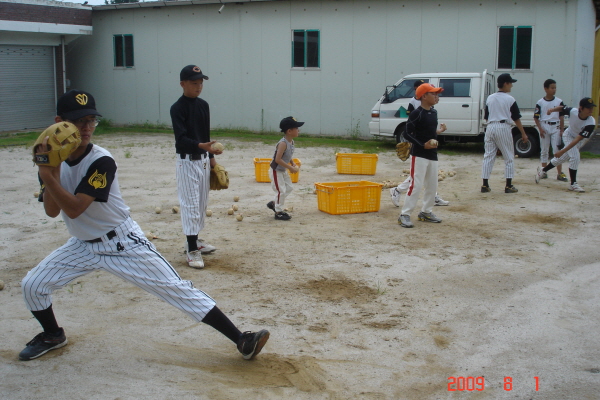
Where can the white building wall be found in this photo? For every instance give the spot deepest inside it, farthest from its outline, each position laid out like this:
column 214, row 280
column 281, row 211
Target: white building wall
column 365, row 45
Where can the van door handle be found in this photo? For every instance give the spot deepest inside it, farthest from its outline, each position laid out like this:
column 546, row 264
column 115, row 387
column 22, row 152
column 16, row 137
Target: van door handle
column 465, row 106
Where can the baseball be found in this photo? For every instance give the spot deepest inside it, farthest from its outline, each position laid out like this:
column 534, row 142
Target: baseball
column 158, row 210
column 236, row 198
column 235, row 207
column 433, row 142
column 218, row 146
column 175, row 209
column 208, row 213
column 1, row 285
column 230, row 211
column 239, row 217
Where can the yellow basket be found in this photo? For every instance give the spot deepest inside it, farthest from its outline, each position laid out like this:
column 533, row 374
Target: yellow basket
column 348, row 197
column 261, row 169
column 356, row 164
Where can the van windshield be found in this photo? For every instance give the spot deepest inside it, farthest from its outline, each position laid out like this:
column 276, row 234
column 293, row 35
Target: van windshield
column 404, row 90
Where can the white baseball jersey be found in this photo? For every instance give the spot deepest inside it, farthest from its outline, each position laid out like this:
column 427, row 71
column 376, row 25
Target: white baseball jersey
column 541, row 109
column 94, row 174
column 122, row 249
column 501, row 106
column 578, row 126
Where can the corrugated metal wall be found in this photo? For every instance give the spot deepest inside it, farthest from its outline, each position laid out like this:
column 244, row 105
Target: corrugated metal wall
column 27, row 87
column 365, row 45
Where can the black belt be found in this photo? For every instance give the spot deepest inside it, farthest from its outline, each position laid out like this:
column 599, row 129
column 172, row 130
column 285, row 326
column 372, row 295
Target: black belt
column 109, row 235
column 183, row 156
column 550, row 123
column 498, row 122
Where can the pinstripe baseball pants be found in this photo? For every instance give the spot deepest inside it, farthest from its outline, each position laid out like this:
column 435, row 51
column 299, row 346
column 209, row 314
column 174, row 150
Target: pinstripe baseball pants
column 193, row 185
column 571, row 155
column 552, row 137
column 138, row 262
column 498, row 136
column 281, row 183
column 424, row 174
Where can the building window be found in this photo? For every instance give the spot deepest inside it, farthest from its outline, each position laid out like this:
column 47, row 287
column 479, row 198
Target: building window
column 305, row 49
column 123, row 47
column 514, row 47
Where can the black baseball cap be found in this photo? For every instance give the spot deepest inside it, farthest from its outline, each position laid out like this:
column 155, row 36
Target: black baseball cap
column 289, row 123
column 505, row 78
column 418, row 83
column 191, row 73
column 76, row 104
column 587, row 102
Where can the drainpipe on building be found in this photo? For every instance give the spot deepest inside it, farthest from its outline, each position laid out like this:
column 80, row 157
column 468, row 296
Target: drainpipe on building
column 64, row 69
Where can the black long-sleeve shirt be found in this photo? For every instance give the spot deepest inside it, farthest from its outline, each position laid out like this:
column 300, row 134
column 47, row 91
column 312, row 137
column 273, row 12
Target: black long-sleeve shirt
column 191, row 124
column 420, row 128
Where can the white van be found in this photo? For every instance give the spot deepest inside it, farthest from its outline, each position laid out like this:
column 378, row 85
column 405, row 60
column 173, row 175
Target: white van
column 461, row 108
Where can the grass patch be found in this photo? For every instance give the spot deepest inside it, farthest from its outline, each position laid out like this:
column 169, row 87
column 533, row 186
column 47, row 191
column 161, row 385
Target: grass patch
column 351, row 142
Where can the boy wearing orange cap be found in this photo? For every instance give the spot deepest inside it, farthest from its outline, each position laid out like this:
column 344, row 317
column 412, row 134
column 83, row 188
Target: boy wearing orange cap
column 421, row 131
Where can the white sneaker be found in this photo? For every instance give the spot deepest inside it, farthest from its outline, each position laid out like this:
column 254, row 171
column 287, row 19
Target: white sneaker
column 194, row 259
column 204, row 247
column 440, row 202
column 396, row 194
column 576, row 188
column 539, row 174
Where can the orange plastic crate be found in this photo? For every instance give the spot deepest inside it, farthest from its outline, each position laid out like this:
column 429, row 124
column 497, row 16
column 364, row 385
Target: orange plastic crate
column 261, row 170
column 356, row 164
column 348, row 197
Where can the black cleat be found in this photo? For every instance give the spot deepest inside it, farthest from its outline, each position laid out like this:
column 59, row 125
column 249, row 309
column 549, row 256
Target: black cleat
column 41, row 344
column 251, row 343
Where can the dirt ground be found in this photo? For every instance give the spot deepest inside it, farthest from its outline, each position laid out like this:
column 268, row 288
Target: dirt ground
column 507, row 288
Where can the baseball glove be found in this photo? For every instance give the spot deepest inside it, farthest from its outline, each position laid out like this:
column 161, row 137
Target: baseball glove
column 403, row 150
column 63, row 139
column 218, row 178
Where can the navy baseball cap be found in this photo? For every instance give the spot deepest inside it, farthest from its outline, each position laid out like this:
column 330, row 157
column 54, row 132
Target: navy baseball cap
column 76, row 104
column 587, row 102
column 289, row 123
column 191, row 73
column 505, row 78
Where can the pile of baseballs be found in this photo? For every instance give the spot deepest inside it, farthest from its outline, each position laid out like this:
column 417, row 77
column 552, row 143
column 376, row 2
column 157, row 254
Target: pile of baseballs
column 443, row 174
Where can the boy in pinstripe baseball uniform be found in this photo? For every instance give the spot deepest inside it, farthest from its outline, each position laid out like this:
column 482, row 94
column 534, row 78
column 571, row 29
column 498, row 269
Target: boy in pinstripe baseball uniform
column 282, row 163
column 550, row 126
column 500, row 108
column 84, row 189
column 421, row 131
column 396, row 192
column 190, row 116
column 581, row 127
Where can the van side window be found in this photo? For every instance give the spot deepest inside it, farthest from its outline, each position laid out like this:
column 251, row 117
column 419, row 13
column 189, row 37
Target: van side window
column 455, row 87
column 405, row 90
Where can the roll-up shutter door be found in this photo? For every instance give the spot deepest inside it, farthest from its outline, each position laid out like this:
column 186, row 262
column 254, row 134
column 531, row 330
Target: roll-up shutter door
column 27, row 87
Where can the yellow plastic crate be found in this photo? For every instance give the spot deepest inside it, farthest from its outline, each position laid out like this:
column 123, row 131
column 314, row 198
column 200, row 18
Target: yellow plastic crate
column 261, row 170
column 356, row 164
column 348, row 197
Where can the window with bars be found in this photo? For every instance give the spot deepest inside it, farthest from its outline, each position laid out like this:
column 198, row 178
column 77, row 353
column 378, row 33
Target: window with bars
column 123, row 48
column 306, row 49
column 514, row 47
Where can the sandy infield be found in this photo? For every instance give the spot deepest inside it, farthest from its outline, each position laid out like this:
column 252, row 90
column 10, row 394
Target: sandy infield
column 507, row 286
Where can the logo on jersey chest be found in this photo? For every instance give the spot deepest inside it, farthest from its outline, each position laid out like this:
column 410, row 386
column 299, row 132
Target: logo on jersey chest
column 98, row 181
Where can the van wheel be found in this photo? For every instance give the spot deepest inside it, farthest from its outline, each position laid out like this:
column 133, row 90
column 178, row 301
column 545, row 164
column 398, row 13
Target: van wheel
column 399, row 131
column 526, row 150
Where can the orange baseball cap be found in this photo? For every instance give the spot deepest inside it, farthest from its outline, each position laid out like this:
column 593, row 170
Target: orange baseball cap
column 427, row 88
